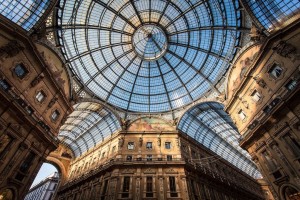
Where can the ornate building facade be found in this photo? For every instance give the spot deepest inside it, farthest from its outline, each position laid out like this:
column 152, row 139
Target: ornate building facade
column 151, row 99
column 152, row 160
column 264, row 102
column 46, row 189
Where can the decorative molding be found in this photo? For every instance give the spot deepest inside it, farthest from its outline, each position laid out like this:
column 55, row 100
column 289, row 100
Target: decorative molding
column 171, row 171
column 128, row 171
column 149, row 171
column 286, row 50
column 11, row 49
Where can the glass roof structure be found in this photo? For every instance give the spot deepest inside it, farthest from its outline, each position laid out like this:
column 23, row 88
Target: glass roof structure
column 89, row 124
column 271, row 13
column 211, row 126
column 149, row 55
column 25, row 13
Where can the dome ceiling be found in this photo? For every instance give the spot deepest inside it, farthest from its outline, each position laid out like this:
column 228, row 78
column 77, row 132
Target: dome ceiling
column 149, row 55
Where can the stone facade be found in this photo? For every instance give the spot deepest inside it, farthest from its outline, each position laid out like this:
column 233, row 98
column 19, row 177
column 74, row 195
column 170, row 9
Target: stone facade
column 32, row 107
column 155, row 165
column 264, row 104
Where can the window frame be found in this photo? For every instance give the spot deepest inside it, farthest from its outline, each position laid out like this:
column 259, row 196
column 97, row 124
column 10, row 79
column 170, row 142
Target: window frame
column 23, row 67
column 149, row 147
column 272, row 71
column 168, row 145
column 256, row 96
column 130, row 146
column 54, row 119
column 244, row 117
column 40, row 93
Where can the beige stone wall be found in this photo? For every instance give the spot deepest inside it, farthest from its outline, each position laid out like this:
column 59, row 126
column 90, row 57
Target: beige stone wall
column 27, row 130
column 270, row 130
column 198, row 172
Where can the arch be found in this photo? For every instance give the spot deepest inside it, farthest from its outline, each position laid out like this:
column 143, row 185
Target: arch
column 62, row 171
column 150, row 124
column 9, row 193
column 242, row 64
column 211, row 126
column 289, row 192
column 89, row 124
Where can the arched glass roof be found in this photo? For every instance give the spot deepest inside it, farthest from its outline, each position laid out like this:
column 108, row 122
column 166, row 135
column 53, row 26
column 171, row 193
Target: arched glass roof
column 25, row 13
column 89, row 124
column 149, row 55
column 211, row 126
column 271, row 13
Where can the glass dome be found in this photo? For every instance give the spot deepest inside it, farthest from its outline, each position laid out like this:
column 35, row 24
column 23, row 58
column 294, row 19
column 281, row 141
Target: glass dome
column 149, row 55
column 24, row 13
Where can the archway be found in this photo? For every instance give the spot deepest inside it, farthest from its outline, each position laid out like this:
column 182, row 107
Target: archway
column 47, row 179
column 7, row 194
column 290, row 193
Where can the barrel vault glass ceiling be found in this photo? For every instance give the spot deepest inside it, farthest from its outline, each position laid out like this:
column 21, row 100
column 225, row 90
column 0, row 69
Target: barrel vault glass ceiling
column 149, row 55
column 211, row 126
column 88, row 125
column 207, row 123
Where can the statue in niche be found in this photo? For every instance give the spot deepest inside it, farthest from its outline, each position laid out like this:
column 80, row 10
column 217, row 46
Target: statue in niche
column 256, row 35
column 159, row 141
column 221, row 97
column 286, row 50
column 260, row 81
column 141, row 141
column 57, row 74
column 121, row 141
column 10, row 50
column 124, row 124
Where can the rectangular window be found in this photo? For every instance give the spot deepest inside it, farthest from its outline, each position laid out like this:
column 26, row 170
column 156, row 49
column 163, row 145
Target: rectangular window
column 169, row 158
column 130, row 145
column 149, row 145
column 27, row 163
column 129, row 158
column 126, row 185
column 172, row 185
column 194, row 154
column 255, row 96
column 271, row 162
column 292, row 145
column 149, row 157
column 168, row 145
column 242, row 115
column 104, row 190
column 149, row 186
column 40, row 96
column 20, row 70
column 275, row 71
column 55, row 115
column 4, row 85
column 291, row 85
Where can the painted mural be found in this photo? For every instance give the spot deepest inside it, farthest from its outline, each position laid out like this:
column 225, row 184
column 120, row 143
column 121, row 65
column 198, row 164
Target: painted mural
column 150, row 124
column 241, row 66
column 56, row 67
